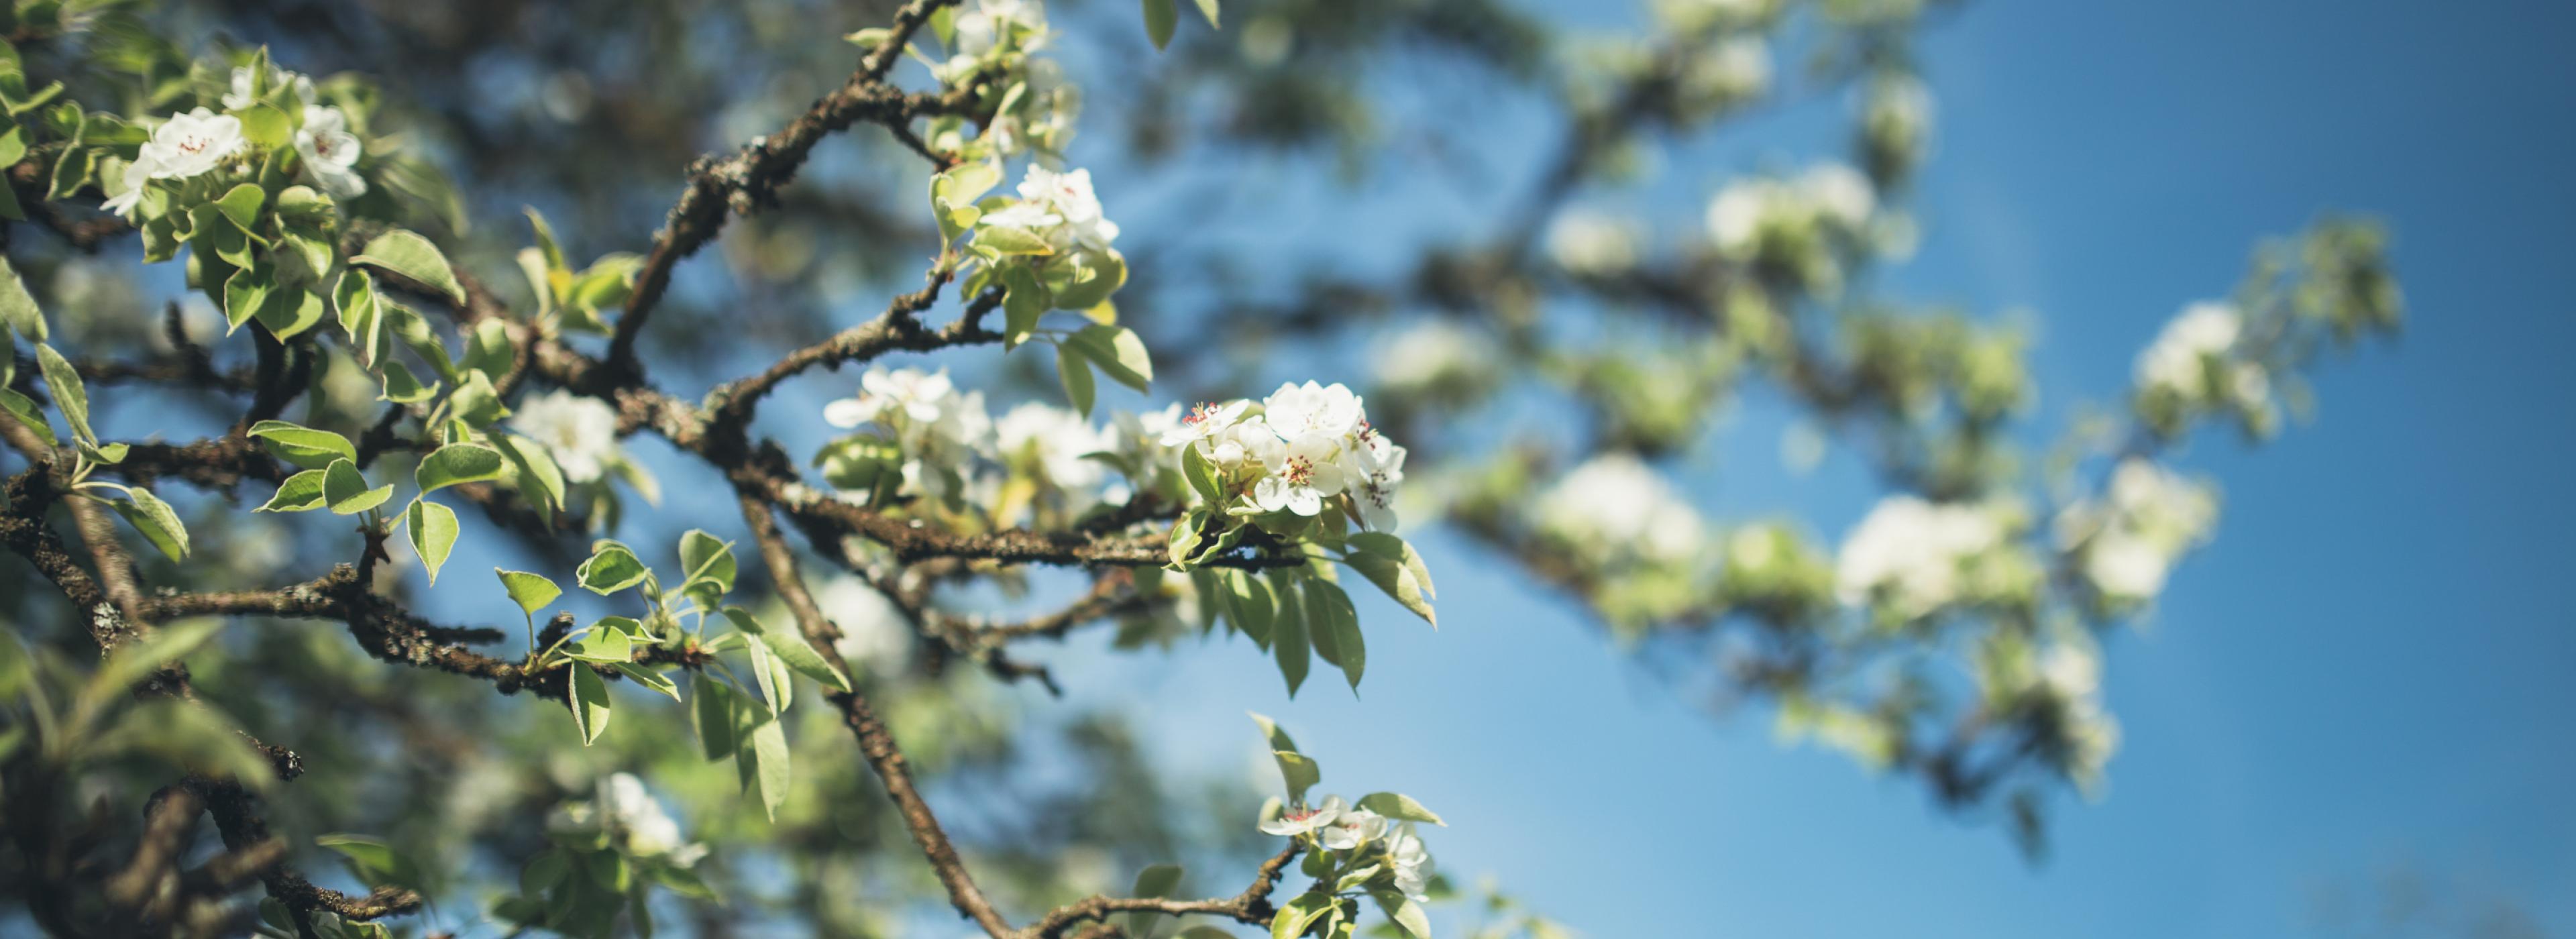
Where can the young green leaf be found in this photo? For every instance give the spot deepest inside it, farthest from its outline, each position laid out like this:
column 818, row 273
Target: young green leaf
column 1403, row 911
column 1248, row 604
column 611, row 568
column 1288, row 637
column 457, row 463
column 603, row 644
column 1160, row 17
column 708, row 559
column 153, row 517
column 18, row 309
column 406, row 254
column 1334, row 625
column 769, row 744
column 299, row 493
column 791, row 648
column 530, row 591
column 1400, row 807
column 650, row 679
column 303, row 446
column 711, row 713
column 69, row 395
column 539, row 478
column 345, row 490
column 589, row 702
column 433, row 533
column 24, row 410
column 1075, row 372
column 1153, row 883
column 372, row 860
column 1118, row 352
column 1291, row 920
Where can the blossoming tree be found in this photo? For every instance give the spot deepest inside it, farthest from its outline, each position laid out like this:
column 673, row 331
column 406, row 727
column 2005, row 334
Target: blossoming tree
column 388, row 380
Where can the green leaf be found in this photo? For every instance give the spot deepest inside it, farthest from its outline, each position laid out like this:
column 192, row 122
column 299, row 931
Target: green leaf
column 1288, row 637
column 266, row 126
column 791, row 648
column 769, row 747
column 1291, row 920
column 1024, row 300
column 129, row 663
column 1103, row 272
column 1118, row 352
column 708, row 559
column 1248, row 604
column 711, row 713
column 1160, row 17
column 1399, row 807
column 242, row 205
column 372, row 860
column 433, row 534
column 1378, row 542
column 303, row 446
column 288, row 313
column 153, row 517
column 1202, row 476
column 1403, row 911
column 1155, row 882
column 530, row 591
column 18, row 308
column 1393, row 575
column 362, row 315
column 1207, row 8
column 488, row 349
column 536, row 468
column 457, row 463
column 24, row 409
column 1335, row 627
column 1011, row 240
column 106, row 454
column 1204, row 932
column 406, row 254
column 245, row 293
column 193, row 737
column 589, row 702
column 612, row 567
column 650, row 679
column 604, row 644
column 69, row 395
column 475, row 401
column 345, row 489
column 544, row 871
column 299, row 493
column 1075, row 372
column 401, row 387
column 1272, row 733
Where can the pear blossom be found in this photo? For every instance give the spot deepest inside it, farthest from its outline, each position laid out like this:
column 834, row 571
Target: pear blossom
column 1436, row 352
column 1911, row 553
column 330, row 151
column 240, row 96
column 992, row 21
column 632, row 819
column 580, row 432
column 1353, row 828
column 1057, row 441
column 1736, row 69
column 1069, row 198
column 1378, row 469
column 1303, row 472
column 2175, row 361
column 920, row 396
column 1205, row 421
column 874, row 633
column 1312, row 410
column 1594, row 243
column 1299, row 821
column 129, row 193
column 1840, row 194
column 1614, row 508
column 189, row 144
column 1410, row 862
column 2129, row 540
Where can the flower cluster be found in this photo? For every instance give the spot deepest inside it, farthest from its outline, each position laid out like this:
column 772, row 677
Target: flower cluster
column 1308, row 448
column 2197, row 364
column 579, row 431
column 1355, row 832
column 625, row 818
column 2127, row 542
column 1614, row 511
column 1794, row 226
column 1060, row 209
column 190, row 144
column 937, row 431
column 1033, row 108
column 2058, row 683
column 1909, row 558
column 1895, row 125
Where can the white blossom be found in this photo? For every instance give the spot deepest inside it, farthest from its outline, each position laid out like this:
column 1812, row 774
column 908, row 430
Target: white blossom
column 1328, row 411
column 240, row 95
column 1298, row 821
column 580, row 432
column 1068, row 197
column 632, row 819
column 1840, row 194
column 2130, row 539
column 1587, row 242
column 129, row 193
column 874, row 633
column 330, row 151
column 189, row 144
column 1913, row 551
column 1410, row 861
column 1303, row 472
column 1205, row 421
column 1431, row 352
column 1614, row 506
column 991, row 21
column 1057, row 439
column 1353, row 828
column 2176, row 360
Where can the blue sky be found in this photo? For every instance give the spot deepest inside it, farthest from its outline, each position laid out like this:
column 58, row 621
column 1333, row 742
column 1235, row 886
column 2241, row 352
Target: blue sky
column 2364, row 672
